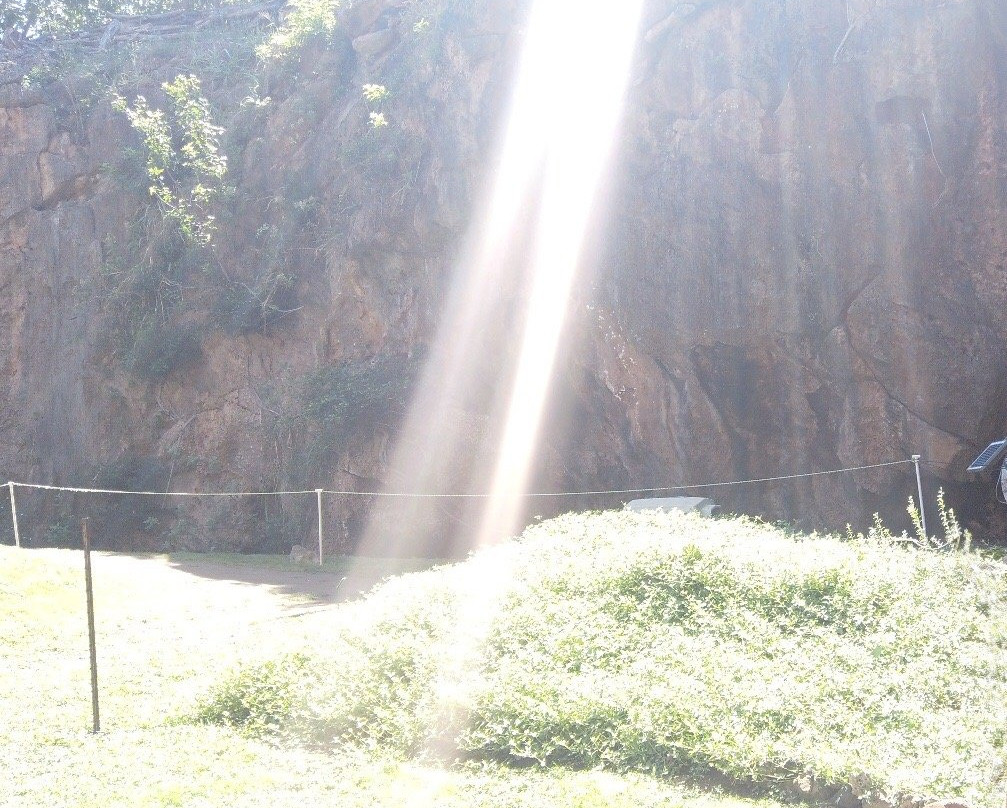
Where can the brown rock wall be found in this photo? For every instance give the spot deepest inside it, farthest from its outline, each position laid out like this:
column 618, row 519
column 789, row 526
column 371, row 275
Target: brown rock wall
column 803, row 265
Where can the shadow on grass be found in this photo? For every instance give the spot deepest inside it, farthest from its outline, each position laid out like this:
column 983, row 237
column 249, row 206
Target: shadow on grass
column 340, row 579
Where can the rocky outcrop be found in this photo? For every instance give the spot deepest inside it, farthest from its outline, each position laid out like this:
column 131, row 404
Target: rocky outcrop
column 802, row 266
column 808, row 260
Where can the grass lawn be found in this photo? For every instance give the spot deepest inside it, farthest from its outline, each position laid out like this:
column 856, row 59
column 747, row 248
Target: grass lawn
column 166, row 637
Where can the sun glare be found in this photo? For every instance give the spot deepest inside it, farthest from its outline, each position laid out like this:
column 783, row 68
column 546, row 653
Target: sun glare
column 576, row 81
column 524, row 253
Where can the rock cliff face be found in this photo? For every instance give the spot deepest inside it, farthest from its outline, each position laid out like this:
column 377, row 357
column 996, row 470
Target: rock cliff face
column 802, row 268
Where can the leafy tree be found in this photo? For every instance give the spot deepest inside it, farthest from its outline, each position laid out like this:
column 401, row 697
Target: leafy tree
column 31, row 18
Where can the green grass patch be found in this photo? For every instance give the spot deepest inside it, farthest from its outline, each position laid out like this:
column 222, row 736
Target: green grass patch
column 164, row 637
column 670, row 645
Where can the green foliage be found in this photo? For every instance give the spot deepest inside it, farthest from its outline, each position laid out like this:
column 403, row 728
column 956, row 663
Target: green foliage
column 375, row 93
column 117, row 522
column 61, row 17
column 184, row 164
column 955, row 536
column 308, row 21
column 668, row 643
column 185, row 170
column 254, row 308
column 259, row 700
column 337, row 402
column 159, row 348
column 387, row 162
column 143, row 303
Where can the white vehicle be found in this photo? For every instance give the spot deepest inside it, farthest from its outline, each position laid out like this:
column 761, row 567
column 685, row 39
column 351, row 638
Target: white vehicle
column 707, row 507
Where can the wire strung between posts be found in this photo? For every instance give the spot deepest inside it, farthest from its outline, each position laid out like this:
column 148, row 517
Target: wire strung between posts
column 162, row 493
column 315, row 491
column 656, row 489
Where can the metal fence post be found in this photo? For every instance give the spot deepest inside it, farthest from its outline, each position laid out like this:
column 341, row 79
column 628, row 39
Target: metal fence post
column 919, row 488
column 321, row 549
column 13, row 513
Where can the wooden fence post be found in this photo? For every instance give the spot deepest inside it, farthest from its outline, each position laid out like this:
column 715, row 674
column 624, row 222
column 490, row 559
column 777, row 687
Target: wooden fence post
column 90, row 624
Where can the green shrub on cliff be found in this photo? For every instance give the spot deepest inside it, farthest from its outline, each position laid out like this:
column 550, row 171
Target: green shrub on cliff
column 340, row 401
column 185, row 169
column 159, row 348
column 666, row 643
column 255, row 307
column 184, row 164
column 307, row 21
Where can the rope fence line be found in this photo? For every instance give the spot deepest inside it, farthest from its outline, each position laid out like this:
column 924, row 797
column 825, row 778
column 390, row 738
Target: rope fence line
column 480, row 495
column 721, row 484
column 75, row 490
column 318, row 492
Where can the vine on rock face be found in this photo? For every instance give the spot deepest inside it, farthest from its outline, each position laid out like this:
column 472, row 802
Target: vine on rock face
column 184, row 163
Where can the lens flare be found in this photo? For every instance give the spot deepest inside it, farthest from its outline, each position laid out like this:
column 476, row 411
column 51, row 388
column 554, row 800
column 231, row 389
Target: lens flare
column 508, row 307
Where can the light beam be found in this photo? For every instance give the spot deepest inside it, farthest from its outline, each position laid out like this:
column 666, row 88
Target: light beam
column 521, row 266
